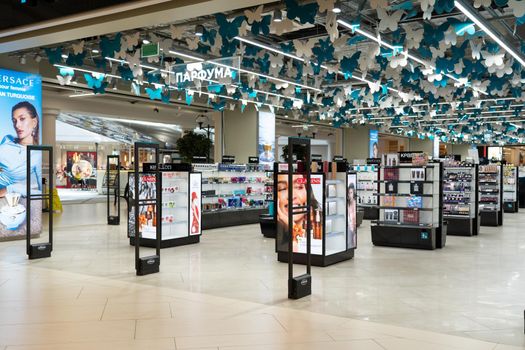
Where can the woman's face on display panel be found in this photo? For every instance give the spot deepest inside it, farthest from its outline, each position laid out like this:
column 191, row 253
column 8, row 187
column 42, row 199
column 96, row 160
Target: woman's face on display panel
column 299, row 194
column 23, row 123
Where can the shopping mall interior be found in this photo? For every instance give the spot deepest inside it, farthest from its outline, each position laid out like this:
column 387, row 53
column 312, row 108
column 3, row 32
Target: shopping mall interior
column 146, row 152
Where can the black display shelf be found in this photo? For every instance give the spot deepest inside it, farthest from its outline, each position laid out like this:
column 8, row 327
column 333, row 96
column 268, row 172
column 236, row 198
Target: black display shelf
column 511, row 206
column 407, row 208
column 490, row 217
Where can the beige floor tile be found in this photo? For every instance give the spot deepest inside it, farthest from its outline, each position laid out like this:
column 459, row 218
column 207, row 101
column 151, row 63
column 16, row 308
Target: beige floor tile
column 508, row 347
column 406, row 344
column 19, row 314
column 137, row 311
column 251, row 339
column 156, row 344
column 356, row 334
column 52, row 333
column 353, row 345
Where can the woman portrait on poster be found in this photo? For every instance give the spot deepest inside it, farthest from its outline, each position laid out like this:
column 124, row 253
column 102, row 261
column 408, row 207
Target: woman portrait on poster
column 13, row 151
column 352, row 215
column 299, row 199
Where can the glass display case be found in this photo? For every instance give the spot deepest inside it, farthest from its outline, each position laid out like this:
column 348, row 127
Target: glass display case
column 510, row 189
column 460, row 199
column 234, row 194
column 367, row 189
column 490, row 192
column 410, row 205
column 333, row 213
column 181, row 206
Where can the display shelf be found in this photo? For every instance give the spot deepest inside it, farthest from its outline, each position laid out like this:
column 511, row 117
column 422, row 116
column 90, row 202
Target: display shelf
column 510, row 189
column 334, row 217
column 410, row 206
column 490, row 194
column 228, row 188
column 367, row 188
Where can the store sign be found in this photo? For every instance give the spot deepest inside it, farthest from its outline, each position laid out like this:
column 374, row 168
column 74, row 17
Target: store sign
column 406, row 157
column 373, row 144
column 213, row 73
column 149, row 50
column 266, row 138
column 373, row 160
column 228, row 159
column 253, row 160
column 20, row 124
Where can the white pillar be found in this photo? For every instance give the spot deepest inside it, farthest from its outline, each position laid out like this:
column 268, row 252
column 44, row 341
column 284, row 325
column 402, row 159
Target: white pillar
column 49, row 119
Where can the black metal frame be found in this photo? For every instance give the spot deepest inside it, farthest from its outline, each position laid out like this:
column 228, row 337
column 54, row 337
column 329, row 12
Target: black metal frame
column 513, row 207
column 301, row 285
column 490, row 217
column 149, row 264
column 113, row 219
column 39, row 250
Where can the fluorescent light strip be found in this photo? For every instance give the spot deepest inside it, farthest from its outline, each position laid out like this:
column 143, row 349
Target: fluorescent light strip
column 83, row 95
column 87, row 71
column 176, row 53
column 406, row 53
column 489, row 32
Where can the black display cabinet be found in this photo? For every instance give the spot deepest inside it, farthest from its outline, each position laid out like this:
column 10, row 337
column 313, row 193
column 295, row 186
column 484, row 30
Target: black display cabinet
column 510, row 189
column 490, row 192
column 460, row 199
column 112, row 181
column 367, row 189
column 334, row 231
column 410, row 206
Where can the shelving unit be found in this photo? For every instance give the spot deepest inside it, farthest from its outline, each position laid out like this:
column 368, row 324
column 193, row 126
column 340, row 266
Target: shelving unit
column 410, row 210
column 234, row 194
column 460, row 200
column 180, row 209
column 367, row 189
column 334, row 224
column 490, row 192
column 510, row 189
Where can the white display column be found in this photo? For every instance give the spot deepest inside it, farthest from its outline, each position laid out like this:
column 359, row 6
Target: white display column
column 49, row 119
column 239, row 133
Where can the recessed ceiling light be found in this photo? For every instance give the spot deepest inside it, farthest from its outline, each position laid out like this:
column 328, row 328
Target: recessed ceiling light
column 95, row 51
column 337, row 7
column 146, row 42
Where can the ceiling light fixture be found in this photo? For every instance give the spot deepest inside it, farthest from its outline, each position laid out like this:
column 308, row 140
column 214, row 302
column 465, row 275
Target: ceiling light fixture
column 95, row 51
column 337, row 7
column 278, row 16
column 199, row 30
column 472, row 14
column 146, row 41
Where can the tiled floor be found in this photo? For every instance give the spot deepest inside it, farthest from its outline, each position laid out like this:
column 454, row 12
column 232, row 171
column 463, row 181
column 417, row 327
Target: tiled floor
column 229, row 292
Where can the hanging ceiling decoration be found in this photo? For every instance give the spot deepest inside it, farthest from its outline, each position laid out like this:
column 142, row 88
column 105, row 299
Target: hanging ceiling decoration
column 432, row 68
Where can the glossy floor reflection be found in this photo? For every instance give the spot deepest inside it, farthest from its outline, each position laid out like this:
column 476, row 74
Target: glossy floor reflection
column 230, row 292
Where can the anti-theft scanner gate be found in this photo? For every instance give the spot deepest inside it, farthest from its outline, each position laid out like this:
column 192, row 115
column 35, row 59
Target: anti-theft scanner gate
column 301, row 285
column 38, row 250
column 113, row 189
column 145, row 196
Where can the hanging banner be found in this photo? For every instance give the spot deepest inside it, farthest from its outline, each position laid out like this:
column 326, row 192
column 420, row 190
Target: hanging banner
column 373, row 147
column 195, row 204
column 213, row 74
column 20, row 125
column 266, row 138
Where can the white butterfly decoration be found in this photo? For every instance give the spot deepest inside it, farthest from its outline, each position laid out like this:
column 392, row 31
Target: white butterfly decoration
column 398, row 61
column 135, row 89
column 308, row 69
column 434, row 77
column 274, row 71
column 332, row 68
column 479, row 86
column 132, row 40
column 367, row 61
column 484, row 3
column 375, row 4
column 475, row 49
column 134, row 63
column 252, row 79
column 298, row 104
column 493, row 59
column 153, row 59
column 437, row 52
column 216, row 48
column 389, row 21
column 123, row 51
column 406, row 96
column 426, row 4
column 341, row 42
column 460, row 82
column 386, row 102
column 64, row 80
column 193, row 43
column 231, row 89
column 331, row 26
column 304, row 48
column 458, row 67
column 451, row 36
column 518, row 7
column 243, row 29
column 276, row 60
column 254, row 16
column 427, row 14
column 413, row 37
column 177, row 32
column 325, row 5
column 374, row 86
column 501, row 71
column 285, row 26
column 78, row 48
column 166, row 72
column 279, row 85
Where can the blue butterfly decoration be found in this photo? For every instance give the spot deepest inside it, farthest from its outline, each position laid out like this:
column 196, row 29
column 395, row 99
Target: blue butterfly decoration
column 315, row 67
column 299, row 67
column 496, row 84
column 100, row 63
column 248, row 62
column 108, row 46
column 355, row 39
column 251, row 50
column 189, row 99
column 305, row 13
column 237, row 94
column 405, row 5
column 76, row 60
column 97, row 84
column 209, row 36
column 264, row 64
column 219, row 106
column 432, row 36
column 410, row 14
column 325, row 51
column 229, row 29
column 287, row 104
column 349, row 64
column 203, row 49
column 66, row 71
column 458, row 52
column 228, row 47
column 153, row 77
column 154, row 94
column 424, row 51
column 444, row 65
column 520, row 20
column 287, row 47
column 492, row 47
column 125, row 73
column 262, row 27
column 54, row 56
column 501, row 3
column 443, row 6
column 465, row 28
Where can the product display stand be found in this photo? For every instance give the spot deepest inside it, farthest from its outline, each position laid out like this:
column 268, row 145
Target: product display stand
column 181, row 206
column 39, row 250
column 410, row 211
column 491, row 194
column 145, row 197
column 113, row 189
column 367, row 189
column 299, row 286
column 460, row 200
column 268, row 221
column 510, row 189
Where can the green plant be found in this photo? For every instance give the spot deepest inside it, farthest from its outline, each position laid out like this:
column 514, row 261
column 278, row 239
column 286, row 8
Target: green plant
column 193, row 144
column 299, row 151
